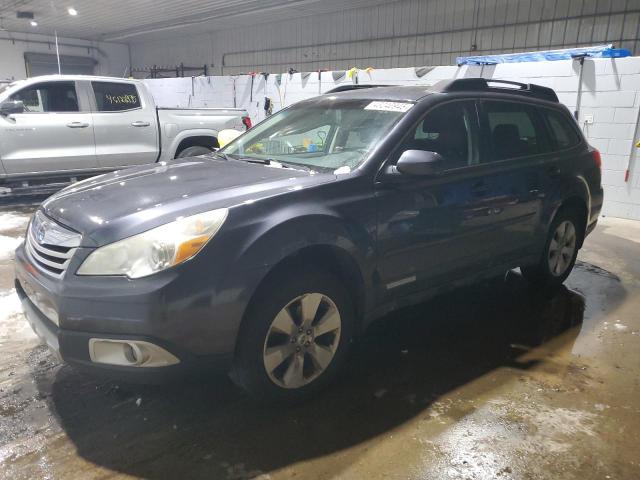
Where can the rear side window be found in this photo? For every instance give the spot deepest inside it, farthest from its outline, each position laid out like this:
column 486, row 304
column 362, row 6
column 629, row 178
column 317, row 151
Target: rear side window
column 47, row 97
column 562, row 132
column 115, row 97
column 515, row 130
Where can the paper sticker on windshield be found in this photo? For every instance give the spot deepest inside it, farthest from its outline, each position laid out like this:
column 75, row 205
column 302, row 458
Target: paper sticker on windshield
column 389, row 106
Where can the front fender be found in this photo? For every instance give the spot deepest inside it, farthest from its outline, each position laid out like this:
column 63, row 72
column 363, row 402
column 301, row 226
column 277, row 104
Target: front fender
column 284, row 237
column 256, row 248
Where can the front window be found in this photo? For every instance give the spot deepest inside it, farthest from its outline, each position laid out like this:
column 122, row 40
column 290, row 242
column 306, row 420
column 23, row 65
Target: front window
column 329, row 135
column 48, row 97
column 449, row 130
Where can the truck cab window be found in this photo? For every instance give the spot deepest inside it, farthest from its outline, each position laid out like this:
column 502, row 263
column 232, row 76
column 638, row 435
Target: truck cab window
column 115, row 97
column 49, row 97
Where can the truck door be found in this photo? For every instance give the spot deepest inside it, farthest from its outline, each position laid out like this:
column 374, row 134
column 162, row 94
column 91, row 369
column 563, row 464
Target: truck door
column 52, row 135
column 125, row 127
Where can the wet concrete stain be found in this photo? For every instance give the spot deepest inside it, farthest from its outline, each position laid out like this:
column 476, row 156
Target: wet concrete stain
column 497, row 380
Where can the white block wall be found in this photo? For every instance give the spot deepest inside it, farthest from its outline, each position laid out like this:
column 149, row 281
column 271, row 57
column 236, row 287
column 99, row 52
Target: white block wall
column 610, row 95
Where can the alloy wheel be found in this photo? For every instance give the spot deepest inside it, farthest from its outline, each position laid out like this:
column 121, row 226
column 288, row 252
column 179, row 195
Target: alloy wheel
column 302, row 340
column 562, row 248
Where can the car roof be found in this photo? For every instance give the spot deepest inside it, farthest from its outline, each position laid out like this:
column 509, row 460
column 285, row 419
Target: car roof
column 49, row 78
column 475, row 86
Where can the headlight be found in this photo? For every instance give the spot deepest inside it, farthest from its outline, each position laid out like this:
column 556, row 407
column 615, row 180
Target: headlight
column 157, row 249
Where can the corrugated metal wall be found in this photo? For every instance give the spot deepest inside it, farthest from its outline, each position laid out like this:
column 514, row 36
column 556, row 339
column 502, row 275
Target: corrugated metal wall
column 404, row 33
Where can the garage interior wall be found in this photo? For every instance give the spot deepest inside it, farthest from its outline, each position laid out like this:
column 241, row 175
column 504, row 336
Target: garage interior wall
column 399, row 34
column 112, row 58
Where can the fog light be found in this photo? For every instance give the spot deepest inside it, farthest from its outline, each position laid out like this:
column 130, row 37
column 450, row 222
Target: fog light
column 129, row 353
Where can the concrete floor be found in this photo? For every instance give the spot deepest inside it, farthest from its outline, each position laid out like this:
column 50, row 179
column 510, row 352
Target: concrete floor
column 493, row 381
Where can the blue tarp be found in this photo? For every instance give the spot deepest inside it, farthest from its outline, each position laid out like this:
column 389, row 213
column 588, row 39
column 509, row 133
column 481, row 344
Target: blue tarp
column 602, row 51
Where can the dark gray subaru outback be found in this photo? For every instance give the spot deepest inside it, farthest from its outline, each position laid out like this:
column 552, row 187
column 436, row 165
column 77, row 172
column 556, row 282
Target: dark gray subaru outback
column 267, row 257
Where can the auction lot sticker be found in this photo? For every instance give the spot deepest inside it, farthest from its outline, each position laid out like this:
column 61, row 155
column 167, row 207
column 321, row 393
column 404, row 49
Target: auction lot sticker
column 389, row 106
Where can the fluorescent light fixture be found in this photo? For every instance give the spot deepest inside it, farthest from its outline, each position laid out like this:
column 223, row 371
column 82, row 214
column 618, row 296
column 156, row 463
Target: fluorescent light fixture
column 34, row 23
column 72, row 11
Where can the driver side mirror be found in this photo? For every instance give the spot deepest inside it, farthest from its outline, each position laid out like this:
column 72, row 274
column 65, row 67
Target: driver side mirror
column 9, row 107
column 419, row 162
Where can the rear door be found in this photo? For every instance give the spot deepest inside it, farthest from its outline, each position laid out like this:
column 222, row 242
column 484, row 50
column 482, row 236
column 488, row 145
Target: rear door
column 517, row 152
column 53, row 134
column 125, row 127
column 564, row 140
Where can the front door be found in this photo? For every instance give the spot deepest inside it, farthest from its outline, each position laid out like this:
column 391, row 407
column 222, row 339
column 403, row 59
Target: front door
column 434, row 229
column 54, row 134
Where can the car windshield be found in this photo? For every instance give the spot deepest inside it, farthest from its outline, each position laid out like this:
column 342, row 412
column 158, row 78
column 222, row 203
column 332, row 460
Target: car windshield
column 328, row 135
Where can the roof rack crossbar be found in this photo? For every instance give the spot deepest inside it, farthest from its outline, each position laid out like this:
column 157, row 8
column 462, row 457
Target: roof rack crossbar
column 476, row 84
column 355, row 86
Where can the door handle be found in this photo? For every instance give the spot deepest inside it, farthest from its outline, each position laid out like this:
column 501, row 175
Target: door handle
column 77, row 125
column 140, row 123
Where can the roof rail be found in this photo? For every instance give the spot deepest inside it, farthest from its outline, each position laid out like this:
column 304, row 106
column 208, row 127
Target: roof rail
column 483, row 84
column 353, row 86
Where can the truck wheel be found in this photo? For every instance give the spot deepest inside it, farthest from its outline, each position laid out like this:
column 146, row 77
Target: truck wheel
column 193, row 151
column 295, row 336
column 560, row 251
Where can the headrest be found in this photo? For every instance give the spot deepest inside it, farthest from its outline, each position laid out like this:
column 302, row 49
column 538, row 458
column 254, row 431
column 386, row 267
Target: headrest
column 506, row 131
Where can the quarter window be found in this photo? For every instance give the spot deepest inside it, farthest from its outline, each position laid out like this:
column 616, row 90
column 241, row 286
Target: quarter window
column 115, row 97
column 49, row 97
column 514, row 130
column 562, row 132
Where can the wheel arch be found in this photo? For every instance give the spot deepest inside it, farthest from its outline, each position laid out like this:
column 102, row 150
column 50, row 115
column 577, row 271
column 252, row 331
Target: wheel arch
column 196, row 141
column 172, row 140
column 579, row 205
column 325, row 257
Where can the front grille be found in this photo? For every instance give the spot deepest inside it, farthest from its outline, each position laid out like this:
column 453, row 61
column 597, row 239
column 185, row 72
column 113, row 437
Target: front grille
column 54, row 252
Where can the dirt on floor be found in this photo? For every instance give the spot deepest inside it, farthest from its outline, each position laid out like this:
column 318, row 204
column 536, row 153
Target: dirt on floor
column 493, row 381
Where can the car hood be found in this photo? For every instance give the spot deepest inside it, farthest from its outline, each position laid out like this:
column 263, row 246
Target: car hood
column 126, row 202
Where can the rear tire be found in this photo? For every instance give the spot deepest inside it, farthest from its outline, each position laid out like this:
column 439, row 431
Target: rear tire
column 295, row 336
column 560, row 251
column 194, row 151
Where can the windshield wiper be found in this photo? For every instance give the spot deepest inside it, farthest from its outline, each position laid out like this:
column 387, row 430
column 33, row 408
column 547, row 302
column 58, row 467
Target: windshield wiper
column 275, row 163
column 296, row 165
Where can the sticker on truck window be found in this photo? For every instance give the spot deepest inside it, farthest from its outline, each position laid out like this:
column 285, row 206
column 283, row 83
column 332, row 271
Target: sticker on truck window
column 389, row 106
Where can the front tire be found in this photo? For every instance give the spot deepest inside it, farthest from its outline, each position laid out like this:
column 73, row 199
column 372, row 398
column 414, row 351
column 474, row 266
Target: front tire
column 560, row 251
column 295, row 336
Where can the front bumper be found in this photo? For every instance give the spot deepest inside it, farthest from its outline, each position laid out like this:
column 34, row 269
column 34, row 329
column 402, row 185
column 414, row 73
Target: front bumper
column 196, row 323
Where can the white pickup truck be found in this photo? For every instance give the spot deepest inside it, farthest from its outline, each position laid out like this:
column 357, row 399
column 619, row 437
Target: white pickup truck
column 57, row 129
